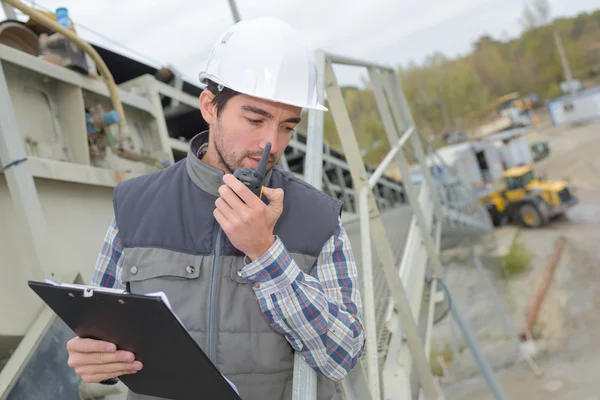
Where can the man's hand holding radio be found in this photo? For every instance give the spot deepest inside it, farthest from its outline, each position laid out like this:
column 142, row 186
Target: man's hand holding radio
column 246, row 220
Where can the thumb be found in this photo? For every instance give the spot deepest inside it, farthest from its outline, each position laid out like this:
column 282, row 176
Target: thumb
column 275, row 197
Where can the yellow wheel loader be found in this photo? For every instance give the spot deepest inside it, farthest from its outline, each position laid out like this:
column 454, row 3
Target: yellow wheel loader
column 526, row 200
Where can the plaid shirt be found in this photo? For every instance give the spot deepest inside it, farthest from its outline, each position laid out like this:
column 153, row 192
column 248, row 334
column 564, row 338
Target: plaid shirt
column 319, row 314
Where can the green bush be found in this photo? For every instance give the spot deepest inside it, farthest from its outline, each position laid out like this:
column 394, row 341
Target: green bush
column 445, row 353
column 517, row 259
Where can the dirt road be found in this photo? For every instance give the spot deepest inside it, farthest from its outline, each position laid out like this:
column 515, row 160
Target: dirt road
column 570, row 318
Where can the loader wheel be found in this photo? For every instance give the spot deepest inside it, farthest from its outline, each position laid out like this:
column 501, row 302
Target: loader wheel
column 530, row 216
column 494, row 215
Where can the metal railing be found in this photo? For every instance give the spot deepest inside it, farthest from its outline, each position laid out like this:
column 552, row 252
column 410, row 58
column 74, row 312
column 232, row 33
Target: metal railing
column 392, row 334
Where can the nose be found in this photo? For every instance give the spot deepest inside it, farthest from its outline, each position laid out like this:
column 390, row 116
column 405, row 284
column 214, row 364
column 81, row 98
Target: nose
column 269, row 136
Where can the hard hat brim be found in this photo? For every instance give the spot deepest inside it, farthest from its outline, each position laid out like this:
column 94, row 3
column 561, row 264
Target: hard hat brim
column 204, row 76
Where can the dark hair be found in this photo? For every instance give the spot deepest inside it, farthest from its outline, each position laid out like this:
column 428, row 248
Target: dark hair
column 221, row 96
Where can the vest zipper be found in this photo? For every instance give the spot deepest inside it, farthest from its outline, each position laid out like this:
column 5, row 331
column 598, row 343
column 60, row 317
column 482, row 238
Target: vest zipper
column 213, row 293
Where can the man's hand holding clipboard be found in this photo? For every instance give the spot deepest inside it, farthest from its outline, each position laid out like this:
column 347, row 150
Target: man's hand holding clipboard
column 96, row 360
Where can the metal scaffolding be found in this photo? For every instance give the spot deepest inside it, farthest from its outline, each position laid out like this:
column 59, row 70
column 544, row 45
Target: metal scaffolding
column 394, row 344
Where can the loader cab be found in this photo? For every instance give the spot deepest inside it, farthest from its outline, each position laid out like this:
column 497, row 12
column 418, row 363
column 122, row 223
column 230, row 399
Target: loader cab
column 518, row 177
column 516, row 182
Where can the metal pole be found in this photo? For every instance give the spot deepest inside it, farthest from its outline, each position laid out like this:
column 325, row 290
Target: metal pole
column 356, row 386
column 344, row 60
column 390, row 129
column 305, row 379
column 508, row 329
column 389, row 158
column 391, row 86
column 413, row 198
column 21, row 185
column 378, row 232
column 564, row 62
column 313, row 160
column 368, row 294
column 420, row 155
column 234, row 11
column 9, row 11
column 485, row 367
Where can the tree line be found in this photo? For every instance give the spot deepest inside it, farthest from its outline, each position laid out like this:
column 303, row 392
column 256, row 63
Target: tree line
column 458, row 94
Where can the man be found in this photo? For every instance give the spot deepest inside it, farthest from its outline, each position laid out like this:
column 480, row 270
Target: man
column 253, row 280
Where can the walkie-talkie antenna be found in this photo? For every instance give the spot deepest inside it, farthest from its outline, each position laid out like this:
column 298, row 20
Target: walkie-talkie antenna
column 261, row 169
column 253, row 178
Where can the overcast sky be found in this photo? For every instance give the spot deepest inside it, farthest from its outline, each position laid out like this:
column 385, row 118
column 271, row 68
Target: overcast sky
column 392, row 32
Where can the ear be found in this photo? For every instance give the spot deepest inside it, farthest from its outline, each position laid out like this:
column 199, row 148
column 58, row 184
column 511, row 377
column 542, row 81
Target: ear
column 207, row 108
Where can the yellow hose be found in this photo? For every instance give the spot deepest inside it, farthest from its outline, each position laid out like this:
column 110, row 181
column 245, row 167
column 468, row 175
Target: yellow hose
column 106, row 75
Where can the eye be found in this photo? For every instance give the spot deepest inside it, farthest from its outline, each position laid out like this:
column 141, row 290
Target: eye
column 254, row 121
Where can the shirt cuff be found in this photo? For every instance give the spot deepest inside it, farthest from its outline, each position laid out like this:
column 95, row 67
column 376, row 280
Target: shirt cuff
column 272, row 270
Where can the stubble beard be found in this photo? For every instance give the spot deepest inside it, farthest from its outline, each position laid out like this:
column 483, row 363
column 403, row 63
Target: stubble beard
column 226, row 159
column 229, row 160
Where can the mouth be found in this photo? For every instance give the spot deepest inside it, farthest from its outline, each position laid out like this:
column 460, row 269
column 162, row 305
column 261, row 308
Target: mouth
column 253, row 162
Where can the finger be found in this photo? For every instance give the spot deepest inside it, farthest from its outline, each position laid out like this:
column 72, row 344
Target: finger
column 231, row 198
column 79, row 359
column 108, row 368
column 226, row 210
column 81, row 345
column 241, row 190
column 102, row 377
column 275, row 197
column 221, row 219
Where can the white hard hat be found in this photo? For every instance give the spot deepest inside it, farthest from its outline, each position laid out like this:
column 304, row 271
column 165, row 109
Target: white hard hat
column 265, row 58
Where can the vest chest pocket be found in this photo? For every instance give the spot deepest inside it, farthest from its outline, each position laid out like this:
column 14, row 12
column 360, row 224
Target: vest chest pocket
column 305, row 263
column 152, row 269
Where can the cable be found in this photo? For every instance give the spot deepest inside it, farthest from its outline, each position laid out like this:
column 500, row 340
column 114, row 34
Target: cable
column 445, row 289
column 12, row 164
column 90, row 30
column 191, row 79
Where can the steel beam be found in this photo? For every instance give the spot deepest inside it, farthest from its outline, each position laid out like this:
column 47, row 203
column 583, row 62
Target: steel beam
column 368, row 293
column 234, row 11
column 389, row 158
column 409, row 188
column 313, row 162
column 339, row 59
column 21, row 185
column 9, row 11
column 359, row 176
column 305, row 380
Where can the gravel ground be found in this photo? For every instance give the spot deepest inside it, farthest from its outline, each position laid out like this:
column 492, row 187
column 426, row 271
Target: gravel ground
column 568, row 350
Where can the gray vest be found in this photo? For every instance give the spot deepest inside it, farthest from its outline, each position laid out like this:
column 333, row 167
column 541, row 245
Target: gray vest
column 172, row 243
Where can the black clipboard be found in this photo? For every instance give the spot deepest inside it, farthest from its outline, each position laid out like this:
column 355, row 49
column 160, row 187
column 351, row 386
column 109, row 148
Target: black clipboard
column 175, row 367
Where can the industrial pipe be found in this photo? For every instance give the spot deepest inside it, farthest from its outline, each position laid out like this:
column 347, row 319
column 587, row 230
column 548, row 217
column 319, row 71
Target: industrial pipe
column 541, row 293
column 106, row 75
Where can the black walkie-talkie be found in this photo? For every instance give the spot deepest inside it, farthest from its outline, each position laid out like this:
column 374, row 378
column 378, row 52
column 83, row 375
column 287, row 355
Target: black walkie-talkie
column 253, row 178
